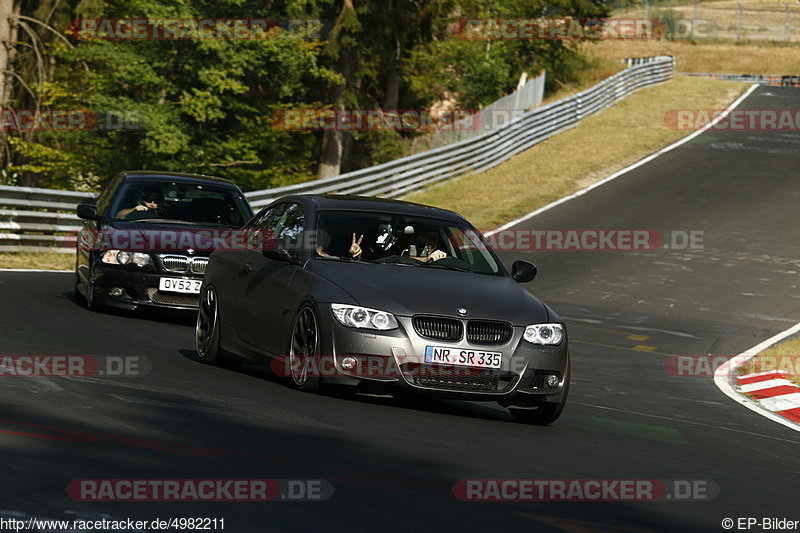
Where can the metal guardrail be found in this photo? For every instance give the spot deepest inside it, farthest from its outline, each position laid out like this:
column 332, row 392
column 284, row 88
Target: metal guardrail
column 481, row 153
column 43, row 219
column 37, row 220
column 775, row 80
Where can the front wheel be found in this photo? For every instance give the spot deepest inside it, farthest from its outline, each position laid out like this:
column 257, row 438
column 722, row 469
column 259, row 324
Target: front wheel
column 207, row 329
column 304, row 350
column 89, row 298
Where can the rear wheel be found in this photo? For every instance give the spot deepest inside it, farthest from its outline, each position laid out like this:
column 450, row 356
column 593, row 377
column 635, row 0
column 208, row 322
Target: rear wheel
column 546, row 413
column 303, row 351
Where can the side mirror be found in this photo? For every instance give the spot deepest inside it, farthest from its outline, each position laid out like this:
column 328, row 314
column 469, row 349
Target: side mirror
column 87, row 212
column 523, row 271
column 276, row 249
column 281, row 254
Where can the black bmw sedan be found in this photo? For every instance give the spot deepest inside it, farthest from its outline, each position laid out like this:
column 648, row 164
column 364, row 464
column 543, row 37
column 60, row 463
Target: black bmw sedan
column 376, row 292
column 145, row 242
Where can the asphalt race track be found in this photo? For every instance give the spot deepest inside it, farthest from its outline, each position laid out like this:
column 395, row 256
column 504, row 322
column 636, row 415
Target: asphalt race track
column 393, row 462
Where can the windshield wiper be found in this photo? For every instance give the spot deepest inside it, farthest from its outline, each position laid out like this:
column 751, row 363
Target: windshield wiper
column 445, row 267
column 165, row 221
column 345, row 259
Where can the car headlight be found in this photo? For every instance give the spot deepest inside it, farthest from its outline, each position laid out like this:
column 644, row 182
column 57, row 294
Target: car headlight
column 120, row 257
column 354, row 316
column 548, row 334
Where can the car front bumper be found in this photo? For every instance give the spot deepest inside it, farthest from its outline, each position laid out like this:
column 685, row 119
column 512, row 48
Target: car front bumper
column 395, row 358
column 139, row 289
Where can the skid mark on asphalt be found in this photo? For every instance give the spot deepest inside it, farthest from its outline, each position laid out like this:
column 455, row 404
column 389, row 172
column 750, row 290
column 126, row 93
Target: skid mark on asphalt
column 626, row 348
column 582, row 526
column 630, row 429
column 703, row 423
column 261, row 414
column 665, row 331
column 615, row 333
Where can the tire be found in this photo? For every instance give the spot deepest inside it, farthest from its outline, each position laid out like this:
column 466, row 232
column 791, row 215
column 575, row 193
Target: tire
column 545, row 414
column 76, row 292
column 303, row 351
column 206, row 332
column 89, row 298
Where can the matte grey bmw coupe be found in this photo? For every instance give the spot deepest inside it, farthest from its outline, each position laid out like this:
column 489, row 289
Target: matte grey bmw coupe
column 366, row 291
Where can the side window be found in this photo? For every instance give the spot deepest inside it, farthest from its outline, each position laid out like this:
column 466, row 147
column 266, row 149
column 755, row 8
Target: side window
column 101, row 204
column 291, row 227
column 268, row 220
column 282, row 223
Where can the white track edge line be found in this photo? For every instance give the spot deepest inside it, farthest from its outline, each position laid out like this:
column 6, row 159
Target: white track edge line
column 627, row 169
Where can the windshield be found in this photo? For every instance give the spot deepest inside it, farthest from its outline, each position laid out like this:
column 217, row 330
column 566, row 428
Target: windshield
column 404, row 240
column 175, row 202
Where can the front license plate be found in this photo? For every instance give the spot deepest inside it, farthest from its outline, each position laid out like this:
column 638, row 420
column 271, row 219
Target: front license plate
column 459, row 356
column 190, row 286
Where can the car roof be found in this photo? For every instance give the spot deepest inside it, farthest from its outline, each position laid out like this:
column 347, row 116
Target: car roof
column 346, row 202
column 137, row 175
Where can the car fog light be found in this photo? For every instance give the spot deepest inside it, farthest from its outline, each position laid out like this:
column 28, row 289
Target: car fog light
column 116, row 292
column 552, row 381
column 349, row 363
column 140, row 259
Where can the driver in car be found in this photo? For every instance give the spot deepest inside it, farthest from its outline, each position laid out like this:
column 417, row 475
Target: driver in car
column 149, row 200
column 430, row 251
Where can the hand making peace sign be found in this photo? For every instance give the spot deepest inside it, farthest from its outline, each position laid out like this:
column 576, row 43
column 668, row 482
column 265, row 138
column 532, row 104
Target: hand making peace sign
column 355, row 247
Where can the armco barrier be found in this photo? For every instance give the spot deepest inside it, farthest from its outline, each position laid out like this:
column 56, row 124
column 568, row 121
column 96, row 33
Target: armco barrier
column 43, row 219
column 774, row 80
column 37, row 220
column 480, row 153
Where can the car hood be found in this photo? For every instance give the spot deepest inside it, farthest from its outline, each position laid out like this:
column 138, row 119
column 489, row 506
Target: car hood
column 409, row 290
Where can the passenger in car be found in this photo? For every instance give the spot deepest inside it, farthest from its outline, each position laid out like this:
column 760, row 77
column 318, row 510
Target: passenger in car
column 324, row 241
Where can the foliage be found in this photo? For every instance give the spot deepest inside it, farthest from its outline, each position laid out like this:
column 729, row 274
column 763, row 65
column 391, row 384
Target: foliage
column 207, row 106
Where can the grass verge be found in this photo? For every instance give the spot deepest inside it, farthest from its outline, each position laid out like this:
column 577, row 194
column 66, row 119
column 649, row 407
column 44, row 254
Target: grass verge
column 718, row 58
column 783, row 356
column 43, row 261
column 551, row 169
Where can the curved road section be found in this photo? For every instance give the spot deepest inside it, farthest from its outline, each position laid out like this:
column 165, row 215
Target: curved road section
column 420, row 464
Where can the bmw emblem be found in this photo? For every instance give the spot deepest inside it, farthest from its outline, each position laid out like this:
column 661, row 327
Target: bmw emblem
column 461, row 311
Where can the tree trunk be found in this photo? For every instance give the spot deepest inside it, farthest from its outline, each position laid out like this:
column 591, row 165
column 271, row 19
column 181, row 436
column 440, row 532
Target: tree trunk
column 330, row 163
column 332, row 152
column 392, row 96
column 8, row 37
